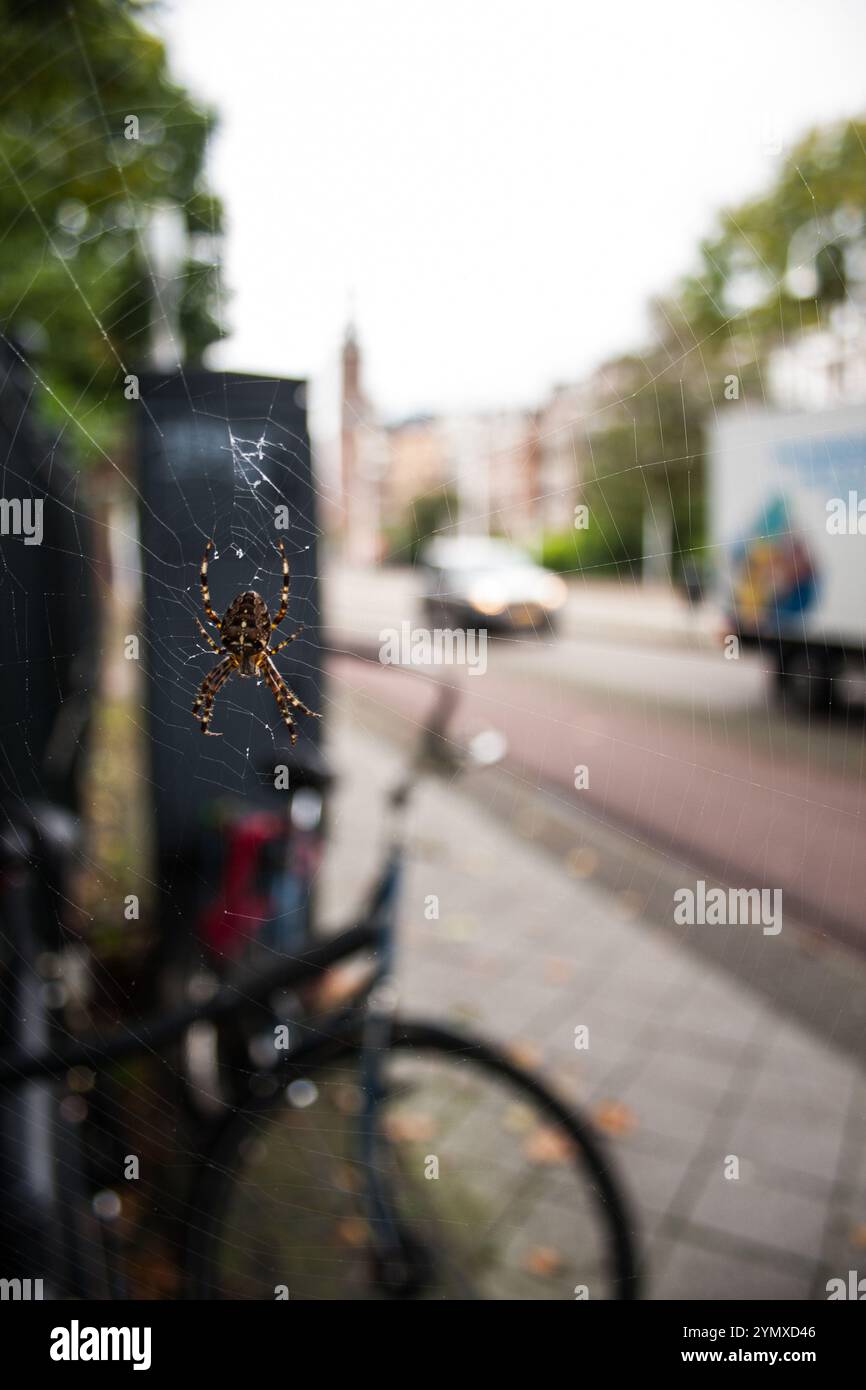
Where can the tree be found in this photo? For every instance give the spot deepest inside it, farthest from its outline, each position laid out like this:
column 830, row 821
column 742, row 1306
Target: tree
column 776, row 267
column 779, row 262
column 93, row 134
column 641, row 463
column 427, row 514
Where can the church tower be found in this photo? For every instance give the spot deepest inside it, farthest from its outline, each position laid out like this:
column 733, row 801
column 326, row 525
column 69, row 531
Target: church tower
column 351, row 415
column 362, row 459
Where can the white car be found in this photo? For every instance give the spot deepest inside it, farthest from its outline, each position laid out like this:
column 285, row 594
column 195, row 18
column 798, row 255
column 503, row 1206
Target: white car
column 481, row 581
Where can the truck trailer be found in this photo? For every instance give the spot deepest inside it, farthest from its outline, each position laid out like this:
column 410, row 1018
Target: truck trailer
column 787, row 501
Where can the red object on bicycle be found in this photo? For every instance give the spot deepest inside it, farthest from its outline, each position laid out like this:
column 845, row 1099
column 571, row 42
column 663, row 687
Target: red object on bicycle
column 242, row 907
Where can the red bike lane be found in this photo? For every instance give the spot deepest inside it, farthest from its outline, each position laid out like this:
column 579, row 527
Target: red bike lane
column 743, row 817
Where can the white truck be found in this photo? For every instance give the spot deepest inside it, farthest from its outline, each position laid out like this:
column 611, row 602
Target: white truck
column 787, row 500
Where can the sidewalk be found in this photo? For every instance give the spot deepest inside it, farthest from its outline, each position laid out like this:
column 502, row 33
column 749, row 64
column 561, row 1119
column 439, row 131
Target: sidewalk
column 685, row 1067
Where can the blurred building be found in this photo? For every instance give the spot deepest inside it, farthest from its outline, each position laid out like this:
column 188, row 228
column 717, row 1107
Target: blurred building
column 508, row 449
column 562, row 452
column 491, row 470
column 419, row 463
column 513, row 472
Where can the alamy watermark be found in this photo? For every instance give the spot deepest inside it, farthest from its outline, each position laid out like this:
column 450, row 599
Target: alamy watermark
column 21, row 1290
column 846, row 516
column 408, row 646
column 77, row 1343
column 720, row 907
column 851, row 1288
column 22, row 517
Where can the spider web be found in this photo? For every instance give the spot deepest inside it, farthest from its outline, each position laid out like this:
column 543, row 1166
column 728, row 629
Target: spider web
column 621, row 707
column 242, row 520
column 237, row 506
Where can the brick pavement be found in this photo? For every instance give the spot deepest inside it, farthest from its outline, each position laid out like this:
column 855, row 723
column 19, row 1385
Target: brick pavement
column 685, row 1065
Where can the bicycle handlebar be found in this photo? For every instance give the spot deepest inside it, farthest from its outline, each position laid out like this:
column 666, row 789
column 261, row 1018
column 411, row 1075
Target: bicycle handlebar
column 20, row 1065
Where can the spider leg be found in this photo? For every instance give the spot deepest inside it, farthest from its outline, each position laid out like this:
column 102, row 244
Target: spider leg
column 284, row 596
column 206, row 635
column 205, row 591
column 276, row 682
column 278, row 689
column 210, row 688
column 272, row 651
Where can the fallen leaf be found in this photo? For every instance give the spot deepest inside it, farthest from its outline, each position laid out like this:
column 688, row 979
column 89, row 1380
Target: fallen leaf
column 558, row 972
column 613, row 1117
column 549, row 1146
column 543, row 1260
column 347, row 1178
column 581, row 863
column 525, row 1054
column 340, row 984
column 409, row 1127
column 348, row 1099
column 629, row 905
column 353, row 1231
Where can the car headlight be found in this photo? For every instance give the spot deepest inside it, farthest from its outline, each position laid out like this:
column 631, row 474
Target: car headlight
column 553, row 592
column 487, row 599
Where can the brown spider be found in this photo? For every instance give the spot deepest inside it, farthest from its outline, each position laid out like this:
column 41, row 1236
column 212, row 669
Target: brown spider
column 245, row 632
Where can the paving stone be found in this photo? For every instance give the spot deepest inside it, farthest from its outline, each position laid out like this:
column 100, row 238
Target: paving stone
column 844, row 1242
column 796, row 1146
column 702, row 1078
column 688, row 1270
column 714, row 1025
column 660, row 1111
column 800, row 1099
column 653, row 1181
column 756, row 1213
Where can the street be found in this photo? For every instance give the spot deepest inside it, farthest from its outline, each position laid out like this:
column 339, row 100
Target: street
column 651, row 731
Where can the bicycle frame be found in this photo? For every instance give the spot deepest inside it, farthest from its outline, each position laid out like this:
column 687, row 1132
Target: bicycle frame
column 37, row 1057
column 22, row 1063
column 32, row 1063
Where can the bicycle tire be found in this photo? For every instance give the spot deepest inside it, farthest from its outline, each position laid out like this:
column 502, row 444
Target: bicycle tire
column 222, row 1164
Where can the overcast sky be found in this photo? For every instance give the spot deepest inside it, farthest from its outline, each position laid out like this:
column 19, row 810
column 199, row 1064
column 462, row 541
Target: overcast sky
column 497, row 186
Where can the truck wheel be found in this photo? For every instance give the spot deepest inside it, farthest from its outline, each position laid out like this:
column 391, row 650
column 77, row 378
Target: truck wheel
column 804, row 681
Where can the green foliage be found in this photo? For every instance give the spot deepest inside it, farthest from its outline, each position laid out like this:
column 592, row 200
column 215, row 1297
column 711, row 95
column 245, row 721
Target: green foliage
column 428, row 513
column 654, row 464
column 560, row 551
column 820, row 185
column 601, row 555
column 610, row 544
column 75, row 195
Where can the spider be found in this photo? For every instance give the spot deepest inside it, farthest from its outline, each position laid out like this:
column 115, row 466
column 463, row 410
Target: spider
column 245, row 632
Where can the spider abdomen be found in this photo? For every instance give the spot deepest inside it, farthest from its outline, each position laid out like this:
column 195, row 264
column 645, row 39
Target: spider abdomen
column 246, row 631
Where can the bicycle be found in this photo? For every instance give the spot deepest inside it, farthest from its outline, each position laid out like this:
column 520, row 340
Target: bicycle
column 374, row 1157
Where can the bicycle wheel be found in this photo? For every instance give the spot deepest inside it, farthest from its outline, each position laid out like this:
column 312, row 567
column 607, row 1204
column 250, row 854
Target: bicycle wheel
column 500, row 1191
